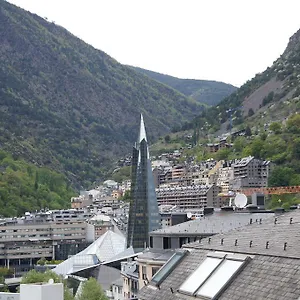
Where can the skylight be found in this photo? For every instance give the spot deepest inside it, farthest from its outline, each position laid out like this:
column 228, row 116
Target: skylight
column 219, row 278
column 191, row 285
column 213, row 274
column 167, row 268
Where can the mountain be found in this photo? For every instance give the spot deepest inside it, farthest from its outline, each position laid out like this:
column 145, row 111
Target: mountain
column 270, row 95
column 204, row 91
column 71, row 107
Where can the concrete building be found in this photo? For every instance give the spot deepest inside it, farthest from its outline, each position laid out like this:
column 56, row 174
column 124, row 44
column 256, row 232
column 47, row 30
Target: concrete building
column 129, row 273
column 250, row 172
column 174, row 237
column 189, row 197
column 36, row 291
column 258, row 261
column 23, row 241
column 101, row 224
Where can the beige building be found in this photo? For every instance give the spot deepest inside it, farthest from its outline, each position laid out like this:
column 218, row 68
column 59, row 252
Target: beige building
column 189, row 197
column 101, row 223
column 130, row 277
column 224, row 179
column 149, row 262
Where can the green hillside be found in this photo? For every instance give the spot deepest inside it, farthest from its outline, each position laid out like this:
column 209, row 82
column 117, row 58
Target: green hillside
column 270, row 91
column 26, row 187
column 66, row 105
column 204, row 91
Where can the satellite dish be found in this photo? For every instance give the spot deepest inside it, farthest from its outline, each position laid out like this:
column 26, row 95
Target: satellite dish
column 189, row 215
column 240, row 200
column 50, row 281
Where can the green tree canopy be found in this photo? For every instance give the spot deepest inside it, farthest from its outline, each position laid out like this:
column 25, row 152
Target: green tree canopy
column 92, row 290
column 280, row 176
column 276, row 127
column 293, row 124
column 34, row 277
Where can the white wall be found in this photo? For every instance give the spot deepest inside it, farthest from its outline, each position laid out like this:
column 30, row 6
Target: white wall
column 9, row 296
column 42, row 291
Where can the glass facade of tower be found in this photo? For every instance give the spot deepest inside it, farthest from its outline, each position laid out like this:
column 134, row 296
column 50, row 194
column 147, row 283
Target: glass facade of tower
column 143, row 213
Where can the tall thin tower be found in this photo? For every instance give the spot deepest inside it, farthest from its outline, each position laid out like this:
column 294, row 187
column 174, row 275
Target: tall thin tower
column 143, row 212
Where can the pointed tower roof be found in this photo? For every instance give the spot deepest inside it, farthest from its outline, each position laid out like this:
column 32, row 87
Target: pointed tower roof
column 142, row 134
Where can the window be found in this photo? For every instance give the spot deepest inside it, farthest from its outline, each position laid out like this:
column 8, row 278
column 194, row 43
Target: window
column 167, row 268
column 151, row 241
column 213, row 274
column 144, row 272
column 166, row 243
column 155, row 270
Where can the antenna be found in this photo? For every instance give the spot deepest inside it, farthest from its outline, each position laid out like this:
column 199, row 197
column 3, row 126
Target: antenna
column 240, row 200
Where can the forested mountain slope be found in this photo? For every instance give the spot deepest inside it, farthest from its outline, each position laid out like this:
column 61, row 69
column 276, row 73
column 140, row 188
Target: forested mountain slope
column 69, row 106
column 204, row 91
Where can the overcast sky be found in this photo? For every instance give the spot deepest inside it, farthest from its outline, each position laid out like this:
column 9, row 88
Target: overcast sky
column 224, row 40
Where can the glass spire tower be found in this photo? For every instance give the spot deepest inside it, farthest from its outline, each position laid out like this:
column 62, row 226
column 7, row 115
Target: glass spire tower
column 143, row 212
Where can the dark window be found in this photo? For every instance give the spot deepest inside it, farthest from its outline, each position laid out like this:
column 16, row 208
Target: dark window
column 151, row 241
column 167, row 243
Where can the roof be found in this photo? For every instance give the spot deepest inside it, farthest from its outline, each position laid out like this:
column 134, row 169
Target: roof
column 104, row 248
column 272, row 272
column 118, row 282
column 218, row 222
column 124, row 255
column 159, row 255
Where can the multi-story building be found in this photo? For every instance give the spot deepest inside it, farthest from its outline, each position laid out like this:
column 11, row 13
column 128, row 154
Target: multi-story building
column 101, row 223
column 25, row 240
column 250, row 172
column 149, row 262
column 190, row 197
column 143, row 213
column 81, row 201
column 225, row 177
column 162, row 175
column 130, row 275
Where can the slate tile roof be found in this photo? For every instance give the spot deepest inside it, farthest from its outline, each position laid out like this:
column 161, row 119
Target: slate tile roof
column 212, row 224
column 272, row 273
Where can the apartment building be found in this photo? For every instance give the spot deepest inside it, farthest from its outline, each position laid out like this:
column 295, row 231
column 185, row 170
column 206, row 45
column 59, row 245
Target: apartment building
column 250, row 172
column 225, row 177
column 189, row 197
column 23, row 241
column 130, row 276
column 102, row 224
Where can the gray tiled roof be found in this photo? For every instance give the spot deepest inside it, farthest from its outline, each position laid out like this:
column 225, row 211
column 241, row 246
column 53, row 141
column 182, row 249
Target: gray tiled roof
column 156, row 254
column 275, row 234
column 272, row 273
column 212, row 224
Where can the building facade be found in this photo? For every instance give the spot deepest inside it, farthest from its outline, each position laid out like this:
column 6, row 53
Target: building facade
column 250, row 172
column 189, row 197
